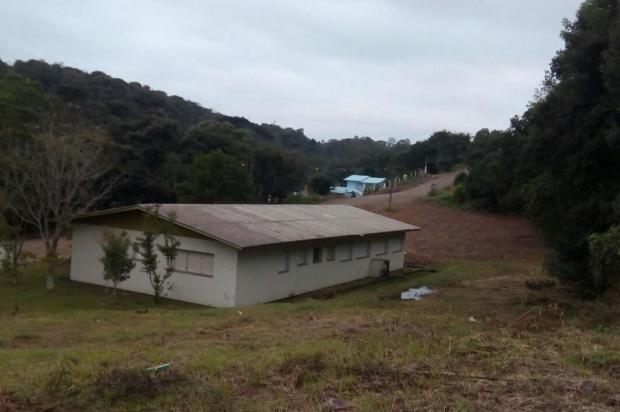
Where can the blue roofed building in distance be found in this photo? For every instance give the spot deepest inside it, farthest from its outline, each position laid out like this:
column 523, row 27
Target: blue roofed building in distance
column 356, row 185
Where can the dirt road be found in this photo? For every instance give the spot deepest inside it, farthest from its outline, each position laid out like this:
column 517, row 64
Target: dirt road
column 448, row 233
column 399, row 198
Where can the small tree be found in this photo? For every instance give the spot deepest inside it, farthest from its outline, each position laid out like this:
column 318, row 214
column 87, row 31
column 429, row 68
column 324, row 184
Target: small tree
column 148, row 248
column 320, row 185
column 116, row 260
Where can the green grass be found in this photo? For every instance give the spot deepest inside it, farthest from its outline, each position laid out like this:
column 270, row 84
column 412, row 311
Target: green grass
column 445, row 198
column 75, row 349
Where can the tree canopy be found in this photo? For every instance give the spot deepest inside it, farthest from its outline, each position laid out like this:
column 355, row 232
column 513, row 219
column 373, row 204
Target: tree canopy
column 559, row 163
column 158, row 137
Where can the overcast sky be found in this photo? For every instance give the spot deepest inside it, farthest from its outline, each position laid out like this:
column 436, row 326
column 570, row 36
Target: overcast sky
column 337, row 68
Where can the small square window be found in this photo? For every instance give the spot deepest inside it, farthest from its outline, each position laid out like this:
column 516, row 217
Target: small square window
column 285, row 263
column 348, row 253
column 364, row 250
column 194, row 263
column 303, row 258
column 398, row 245
column 330, row 253
column 317, row 255
column 382, row 246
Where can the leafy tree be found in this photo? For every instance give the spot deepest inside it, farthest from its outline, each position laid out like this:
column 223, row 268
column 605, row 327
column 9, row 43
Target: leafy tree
column 148, row 249
column 320, row 185
column 438, row 153
column 23, row 105
column 217, row 177
column 275, row 174
column 559, row 163
column 116, row 260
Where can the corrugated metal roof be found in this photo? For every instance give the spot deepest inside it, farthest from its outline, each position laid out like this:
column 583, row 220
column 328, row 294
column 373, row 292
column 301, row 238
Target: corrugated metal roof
column 245, row 226
column 364, row 179
column 356, row 178
column 374, row 180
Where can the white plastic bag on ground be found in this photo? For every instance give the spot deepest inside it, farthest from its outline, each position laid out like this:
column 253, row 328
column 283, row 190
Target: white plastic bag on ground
column 415, row 293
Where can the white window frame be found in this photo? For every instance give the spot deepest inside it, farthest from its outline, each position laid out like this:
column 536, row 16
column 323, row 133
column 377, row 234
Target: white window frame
column 303, row 253
column 385, row 246
column 348, row 250
column 366, row 254
column 189, row 272
column 400, row 244
column 320, row 255
column 330, row 253
column 287, row 262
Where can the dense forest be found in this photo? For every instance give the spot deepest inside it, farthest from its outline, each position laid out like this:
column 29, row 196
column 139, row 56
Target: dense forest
column 169, row 149
column 559, row 163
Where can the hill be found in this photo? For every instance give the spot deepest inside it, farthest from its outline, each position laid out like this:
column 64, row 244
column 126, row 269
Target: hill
column 163, row 142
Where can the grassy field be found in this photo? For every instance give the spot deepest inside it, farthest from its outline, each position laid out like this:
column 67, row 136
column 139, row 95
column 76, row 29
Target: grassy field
column 484, row 341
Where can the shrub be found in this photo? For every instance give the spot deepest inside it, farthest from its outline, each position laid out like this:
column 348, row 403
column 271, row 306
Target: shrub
column 458, row 194
column 605, row 258
column 320, row 185
column 296, row 198
column 460, row 179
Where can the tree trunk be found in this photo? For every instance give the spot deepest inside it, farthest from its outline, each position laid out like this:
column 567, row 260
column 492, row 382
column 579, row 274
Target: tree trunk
column 50, row 266
column 17, row 253
column 49, row 283
column 114, row 293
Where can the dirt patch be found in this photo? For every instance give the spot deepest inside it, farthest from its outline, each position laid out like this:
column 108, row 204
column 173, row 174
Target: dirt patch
column 457, row 234
column 36, row 248
column 451, row 233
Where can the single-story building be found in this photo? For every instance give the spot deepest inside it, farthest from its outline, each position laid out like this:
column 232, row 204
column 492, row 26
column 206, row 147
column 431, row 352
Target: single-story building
column 233, row 255
column 361, row 183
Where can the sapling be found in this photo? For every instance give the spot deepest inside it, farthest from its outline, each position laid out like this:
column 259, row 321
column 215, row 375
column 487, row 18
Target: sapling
column 147, row 247
column 117, row 262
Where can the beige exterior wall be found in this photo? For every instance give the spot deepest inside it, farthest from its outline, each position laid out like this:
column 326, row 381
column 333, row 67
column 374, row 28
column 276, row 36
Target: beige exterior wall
column 261, row 275
column 216, row 291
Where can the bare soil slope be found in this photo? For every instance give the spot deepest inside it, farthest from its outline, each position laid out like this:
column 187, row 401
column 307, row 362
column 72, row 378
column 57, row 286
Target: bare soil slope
column 452, row 233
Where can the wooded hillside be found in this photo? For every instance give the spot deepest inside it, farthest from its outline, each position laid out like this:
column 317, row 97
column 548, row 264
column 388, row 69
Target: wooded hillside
column 169, row 149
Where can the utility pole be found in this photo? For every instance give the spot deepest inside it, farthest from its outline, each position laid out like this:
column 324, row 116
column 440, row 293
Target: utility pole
column 390, row 197
column 389, row 182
